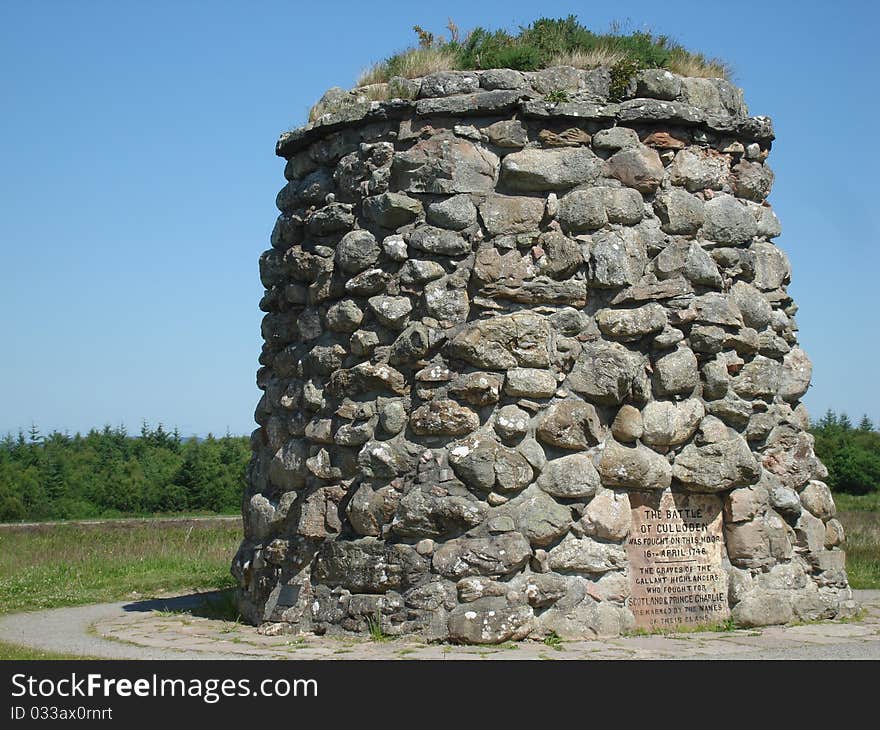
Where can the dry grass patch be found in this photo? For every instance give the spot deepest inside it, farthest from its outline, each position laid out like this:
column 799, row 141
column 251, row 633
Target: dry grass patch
column 586, row 60
column 410, row 64
column 697, row 65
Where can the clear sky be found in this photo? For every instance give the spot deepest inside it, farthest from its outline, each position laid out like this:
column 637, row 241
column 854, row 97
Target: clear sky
column 138, row 179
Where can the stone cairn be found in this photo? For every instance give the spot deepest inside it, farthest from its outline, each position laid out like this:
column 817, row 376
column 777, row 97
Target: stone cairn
column 495, row 326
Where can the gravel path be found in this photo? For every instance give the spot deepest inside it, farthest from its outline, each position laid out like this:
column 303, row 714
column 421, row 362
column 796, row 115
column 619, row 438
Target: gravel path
column 172, row 628
column 70, row 630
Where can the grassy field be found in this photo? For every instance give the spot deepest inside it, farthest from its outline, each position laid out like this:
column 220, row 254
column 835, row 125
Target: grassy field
column 69, row 565
column 862, row 547
column 24, row 653
column 857, row 502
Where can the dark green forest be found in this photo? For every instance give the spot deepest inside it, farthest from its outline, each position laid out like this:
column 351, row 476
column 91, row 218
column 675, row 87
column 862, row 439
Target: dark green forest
column 109, row 473
column 851, row 453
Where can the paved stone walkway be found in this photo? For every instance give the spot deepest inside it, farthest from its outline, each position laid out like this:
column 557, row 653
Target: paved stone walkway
column 172, row 629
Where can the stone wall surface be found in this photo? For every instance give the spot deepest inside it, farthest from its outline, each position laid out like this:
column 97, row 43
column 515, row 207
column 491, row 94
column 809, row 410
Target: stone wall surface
column 490, row 319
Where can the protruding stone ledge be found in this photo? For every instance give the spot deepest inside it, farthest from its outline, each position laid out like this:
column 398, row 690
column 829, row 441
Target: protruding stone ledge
column 483, row 102
column 353, row 115
column 713, row 104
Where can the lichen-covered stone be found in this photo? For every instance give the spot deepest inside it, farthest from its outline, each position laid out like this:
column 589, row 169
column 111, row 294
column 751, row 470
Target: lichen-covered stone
column 817, row 498
column 539, row 517
column 479, row 389
column 358, row 250
column 696, row 170
column 530, row 383
column 797, row 371
column 583, row 210
column 445, row 164
column 617, row 259
column 505, row 133
column 503, row 214
column 511, row 423
column 443, row 418
column 669, row 423
column 608, row 373
column 637, row 167
column 392, row 210
column 368, row 566
column 489, row 621
column 633, row 467
column 504, row 342
column 607, row 516
column 727, row 221
column 570, row 477
column 425, row 514
column 586, row 555
column 680, row 212
column 484, row 464
column 433, row 240
column 555, row 169
column 455, row 213
column 498, row 555
column 631, row 324
column 689, row 260
column 615, row 138
column 570, row 424
column 721, row 464
column 676, row 373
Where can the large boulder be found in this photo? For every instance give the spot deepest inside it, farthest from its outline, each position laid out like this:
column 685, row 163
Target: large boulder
column 490, row 621
column 724, row 461
column 445, row 164
column 570, row 424
column 669, row 423
column 570, row 477
column 608, row 373
column 586, row 555
column 537, row 516
column 368, row 565
column 498, row 555
column 555, row 169
column 633, row 467
column 637, row 167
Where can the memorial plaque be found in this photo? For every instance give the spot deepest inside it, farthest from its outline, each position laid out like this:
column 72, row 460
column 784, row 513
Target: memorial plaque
column 675, row 549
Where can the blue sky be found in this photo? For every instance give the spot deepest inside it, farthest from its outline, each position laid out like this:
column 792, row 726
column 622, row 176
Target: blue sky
column 139, row 177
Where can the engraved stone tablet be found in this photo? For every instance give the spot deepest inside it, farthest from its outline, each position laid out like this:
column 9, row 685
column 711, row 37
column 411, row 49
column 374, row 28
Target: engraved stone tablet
column 674, row 551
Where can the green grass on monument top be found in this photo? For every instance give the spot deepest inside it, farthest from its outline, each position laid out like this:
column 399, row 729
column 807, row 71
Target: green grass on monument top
column 544, row 43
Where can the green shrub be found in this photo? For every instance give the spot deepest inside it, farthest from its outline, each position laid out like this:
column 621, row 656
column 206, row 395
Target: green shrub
column 621, row 74
column 557, row 96
column 11, row 509
column 546, row 42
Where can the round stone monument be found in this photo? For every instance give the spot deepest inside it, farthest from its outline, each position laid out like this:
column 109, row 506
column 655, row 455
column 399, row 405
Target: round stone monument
column 531, row 368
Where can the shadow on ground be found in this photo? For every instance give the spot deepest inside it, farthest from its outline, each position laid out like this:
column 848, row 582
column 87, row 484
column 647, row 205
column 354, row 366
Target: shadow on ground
column 218, row 605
